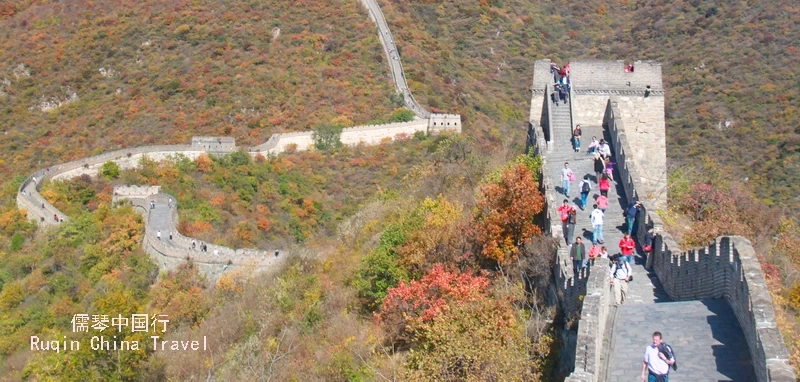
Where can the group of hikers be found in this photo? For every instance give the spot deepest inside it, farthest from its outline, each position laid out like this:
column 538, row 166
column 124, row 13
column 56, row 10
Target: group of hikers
column 561, row 84
column 658, row 357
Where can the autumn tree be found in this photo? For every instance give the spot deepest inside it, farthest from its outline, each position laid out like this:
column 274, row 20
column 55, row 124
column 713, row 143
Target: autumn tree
column 505, row 213
column 456, row 328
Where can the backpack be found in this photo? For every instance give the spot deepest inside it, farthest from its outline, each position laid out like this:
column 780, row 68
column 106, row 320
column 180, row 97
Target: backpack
column 585, row 188
column 669, row 353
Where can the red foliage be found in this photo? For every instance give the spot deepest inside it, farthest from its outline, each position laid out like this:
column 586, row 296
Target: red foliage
column 423, row 300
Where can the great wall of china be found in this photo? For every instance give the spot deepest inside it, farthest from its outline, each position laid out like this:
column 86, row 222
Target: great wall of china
column 168, row 254
column 711, row 304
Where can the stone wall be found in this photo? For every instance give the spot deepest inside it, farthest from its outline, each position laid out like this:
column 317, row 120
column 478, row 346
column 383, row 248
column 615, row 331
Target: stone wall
column 168, row 255
column 726, row 269
column 140, row 192
column 444, row 122
column 214, row 144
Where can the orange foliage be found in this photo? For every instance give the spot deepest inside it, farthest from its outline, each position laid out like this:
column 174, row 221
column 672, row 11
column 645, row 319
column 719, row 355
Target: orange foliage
column 203, row 163
column 504, row 221
column 263, row 224
column 218, row 200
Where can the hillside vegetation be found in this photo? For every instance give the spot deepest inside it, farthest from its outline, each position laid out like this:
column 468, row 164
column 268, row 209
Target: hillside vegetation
column 403, row 245
column 131, row 73
column 729, row 70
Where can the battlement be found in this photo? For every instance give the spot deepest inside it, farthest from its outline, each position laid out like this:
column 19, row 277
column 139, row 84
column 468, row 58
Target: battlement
column 599, row 76
column 442, row 122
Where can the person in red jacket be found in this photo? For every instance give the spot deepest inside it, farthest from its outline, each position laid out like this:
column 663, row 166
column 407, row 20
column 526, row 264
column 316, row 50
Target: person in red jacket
column 564, row 211
column 626, row 246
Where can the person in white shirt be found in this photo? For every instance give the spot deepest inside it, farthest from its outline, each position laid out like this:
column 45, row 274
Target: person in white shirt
column 594, row 146
column 565, row 178
column 605, row 150
column 655, row 367
column 620, row 276
column 597, row 218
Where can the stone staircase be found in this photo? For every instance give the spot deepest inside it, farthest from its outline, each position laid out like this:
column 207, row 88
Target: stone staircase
column 705, row 333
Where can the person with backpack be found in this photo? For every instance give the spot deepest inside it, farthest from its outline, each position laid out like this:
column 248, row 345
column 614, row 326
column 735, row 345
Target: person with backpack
column 586, row 187
column 621, row 275
column 563, row 211
column 567, row 176
column 578, row 255
column 597, row 217
column 658, row 357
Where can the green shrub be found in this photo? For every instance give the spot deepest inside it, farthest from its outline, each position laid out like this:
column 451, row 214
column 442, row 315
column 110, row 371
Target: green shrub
column 327, row 137
column 110, row 170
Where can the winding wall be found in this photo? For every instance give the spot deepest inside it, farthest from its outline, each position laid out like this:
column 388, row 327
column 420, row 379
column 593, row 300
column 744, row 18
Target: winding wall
column 41, row 211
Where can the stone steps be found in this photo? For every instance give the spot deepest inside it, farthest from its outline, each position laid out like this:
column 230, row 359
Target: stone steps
column 705, row 335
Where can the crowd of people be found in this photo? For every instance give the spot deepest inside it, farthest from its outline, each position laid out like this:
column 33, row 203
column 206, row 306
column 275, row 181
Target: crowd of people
column 582, row 254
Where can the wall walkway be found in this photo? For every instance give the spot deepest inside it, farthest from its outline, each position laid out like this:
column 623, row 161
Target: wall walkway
column 711, row 304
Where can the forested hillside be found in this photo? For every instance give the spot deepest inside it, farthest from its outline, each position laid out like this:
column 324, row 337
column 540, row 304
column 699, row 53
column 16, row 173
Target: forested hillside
column 729, row 69
column 129, row 73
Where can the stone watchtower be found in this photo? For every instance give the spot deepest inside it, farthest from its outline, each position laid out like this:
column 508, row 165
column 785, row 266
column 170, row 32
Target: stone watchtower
column 639, row 98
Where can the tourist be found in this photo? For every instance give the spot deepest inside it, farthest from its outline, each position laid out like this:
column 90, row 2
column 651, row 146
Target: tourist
column 604, row 185
column 593, row 146
column 597, row 218
column 610, row 169
column 194, row 245
column 629, row 68
column 627, row 246
column 620, row 277
column 578, row 255
column 555, row 70
column 594, row 253
column 585, row 186
column 649, row 241
column 564, row 211
column 657, row 361
column 630, row 215
column 562, row 93
column 216, row 252
column 599, row 166
column 604, row 252
column 605, row 149
column 170, row 235
column 158, row 235
column 576, row 138
column 602, row 203
column 567, row 176
column 556, row 96
column 571, row 221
